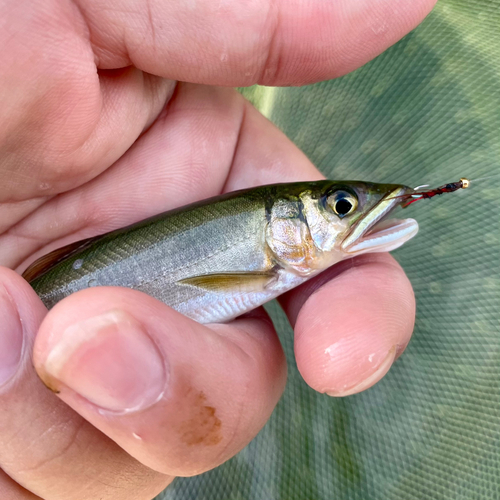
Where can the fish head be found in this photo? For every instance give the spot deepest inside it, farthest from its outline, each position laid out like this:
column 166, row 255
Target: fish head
column 357, row 215
column 325, row 222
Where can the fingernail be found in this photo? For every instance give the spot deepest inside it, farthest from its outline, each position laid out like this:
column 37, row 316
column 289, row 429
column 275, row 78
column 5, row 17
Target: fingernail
column 110, row 360
column 11, row 337
column 380, row 371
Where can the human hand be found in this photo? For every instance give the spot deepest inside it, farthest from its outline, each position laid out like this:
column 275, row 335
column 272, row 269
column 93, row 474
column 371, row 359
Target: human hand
column 87, row 150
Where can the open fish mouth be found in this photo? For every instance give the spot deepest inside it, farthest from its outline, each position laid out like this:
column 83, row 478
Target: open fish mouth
column 375, row 232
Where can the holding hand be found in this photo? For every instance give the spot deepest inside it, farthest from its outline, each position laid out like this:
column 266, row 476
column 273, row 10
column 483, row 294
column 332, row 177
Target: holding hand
column 97, row 133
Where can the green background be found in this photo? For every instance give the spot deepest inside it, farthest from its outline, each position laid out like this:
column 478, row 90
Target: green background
column 427, row 111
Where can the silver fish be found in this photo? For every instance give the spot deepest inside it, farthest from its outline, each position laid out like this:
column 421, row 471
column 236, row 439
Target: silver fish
column 219, row 258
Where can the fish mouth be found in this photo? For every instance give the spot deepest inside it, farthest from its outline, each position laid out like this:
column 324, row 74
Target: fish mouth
column 375, row 233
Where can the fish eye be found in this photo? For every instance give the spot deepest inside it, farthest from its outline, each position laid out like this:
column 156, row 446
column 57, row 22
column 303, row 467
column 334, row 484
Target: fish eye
column 342, row 203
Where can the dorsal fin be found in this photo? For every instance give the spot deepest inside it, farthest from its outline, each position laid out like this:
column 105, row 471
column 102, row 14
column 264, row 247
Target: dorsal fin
column 47, row 262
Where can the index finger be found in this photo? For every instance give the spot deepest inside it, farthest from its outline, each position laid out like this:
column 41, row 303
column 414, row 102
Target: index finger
column 219, row 42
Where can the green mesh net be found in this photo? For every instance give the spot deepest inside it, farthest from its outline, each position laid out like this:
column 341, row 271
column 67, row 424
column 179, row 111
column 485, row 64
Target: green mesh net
column 425, row 111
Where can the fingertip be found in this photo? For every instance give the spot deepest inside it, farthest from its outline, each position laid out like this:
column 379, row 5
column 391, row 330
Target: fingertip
column 350, row 329
column 178, row 396
column 21, row 311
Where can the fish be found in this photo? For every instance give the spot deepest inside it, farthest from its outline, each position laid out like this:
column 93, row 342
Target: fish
column 219, row 258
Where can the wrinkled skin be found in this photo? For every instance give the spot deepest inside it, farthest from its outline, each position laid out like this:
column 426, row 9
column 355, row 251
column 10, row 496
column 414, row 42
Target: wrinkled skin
column 97, row 134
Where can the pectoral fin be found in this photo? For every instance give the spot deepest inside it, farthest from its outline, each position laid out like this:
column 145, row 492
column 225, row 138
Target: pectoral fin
column 233, row 282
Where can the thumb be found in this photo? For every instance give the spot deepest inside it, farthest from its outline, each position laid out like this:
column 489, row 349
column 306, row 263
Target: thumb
column 178, row 396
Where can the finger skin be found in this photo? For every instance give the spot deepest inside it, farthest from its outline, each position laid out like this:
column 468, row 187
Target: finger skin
column 351, row 323
column 284, row 42
column 10, row 490
column 46, row 447
column 60, row 116
column 265, row 155
column 213, row 388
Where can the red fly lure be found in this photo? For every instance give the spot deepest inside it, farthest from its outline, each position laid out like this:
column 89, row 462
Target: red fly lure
column 446, row 188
